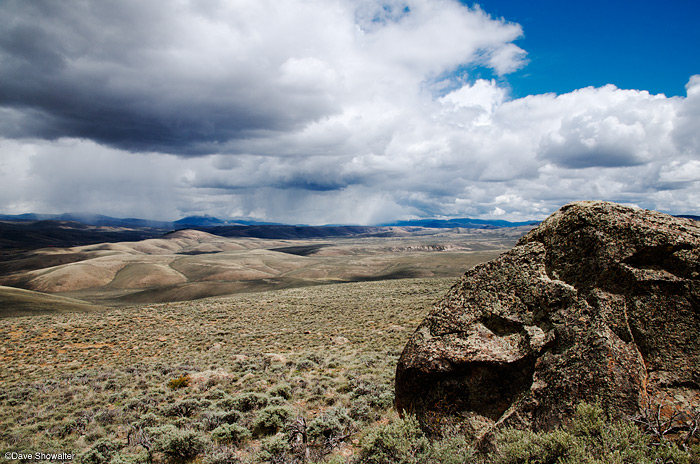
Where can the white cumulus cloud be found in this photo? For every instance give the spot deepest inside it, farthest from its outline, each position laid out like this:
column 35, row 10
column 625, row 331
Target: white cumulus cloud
column 310, row 111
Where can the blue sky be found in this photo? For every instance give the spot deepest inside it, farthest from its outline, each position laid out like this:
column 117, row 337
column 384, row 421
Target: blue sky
column 347, row 111
column 632, row 44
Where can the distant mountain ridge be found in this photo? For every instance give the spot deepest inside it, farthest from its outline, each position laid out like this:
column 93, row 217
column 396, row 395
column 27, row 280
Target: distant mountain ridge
column 282, row 231
column 28, row 234
column 31, row 231
column 466, row 223
column 88, row 219
column 198, row 221
column 211, row 221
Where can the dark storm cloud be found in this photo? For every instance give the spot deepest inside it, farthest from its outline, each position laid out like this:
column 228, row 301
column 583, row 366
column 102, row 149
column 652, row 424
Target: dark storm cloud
column 232, row 77
column 579, row 157
column 245, row 172
column 124, row 74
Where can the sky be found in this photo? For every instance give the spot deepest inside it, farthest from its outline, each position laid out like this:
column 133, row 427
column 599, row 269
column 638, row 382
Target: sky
column 347, row 111
column 633, row 45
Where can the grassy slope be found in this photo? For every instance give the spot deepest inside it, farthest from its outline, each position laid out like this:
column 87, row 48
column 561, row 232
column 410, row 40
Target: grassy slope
column 71, row 379
column 96, row 383
column 16, row 302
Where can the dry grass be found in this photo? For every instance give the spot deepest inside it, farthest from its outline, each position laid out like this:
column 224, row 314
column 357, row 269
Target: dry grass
column 285, row 339
column 71, row 380
column 214, row 380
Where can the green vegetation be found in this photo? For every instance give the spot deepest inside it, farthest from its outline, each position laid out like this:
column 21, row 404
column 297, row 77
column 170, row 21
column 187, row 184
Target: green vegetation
column 230, row 433
column 590, row 438
column 281, row 377
column 218, row 380
column 401, row 441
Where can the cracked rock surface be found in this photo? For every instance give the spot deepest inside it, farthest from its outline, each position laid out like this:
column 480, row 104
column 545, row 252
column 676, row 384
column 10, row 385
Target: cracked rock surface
column 600, row 302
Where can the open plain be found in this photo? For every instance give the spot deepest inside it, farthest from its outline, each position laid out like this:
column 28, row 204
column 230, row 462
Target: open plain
column 198, row 348
column 73, row 380
column 94, row 336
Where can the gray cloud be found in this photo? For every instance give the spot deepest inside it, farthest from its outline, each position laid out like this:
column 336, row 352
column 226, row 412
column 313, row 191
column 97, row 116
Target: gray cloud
column 145, row 78
column 575, row 155
column 314, row 112
column 190, row 77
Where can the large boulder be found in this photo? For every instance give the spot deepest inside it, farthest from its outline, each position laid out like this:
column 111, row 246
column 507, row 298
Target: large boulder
column 600, row 303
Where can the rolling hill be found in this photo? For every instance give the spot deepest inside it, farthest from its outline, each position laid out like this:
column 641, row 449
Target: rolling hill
column 191, row 264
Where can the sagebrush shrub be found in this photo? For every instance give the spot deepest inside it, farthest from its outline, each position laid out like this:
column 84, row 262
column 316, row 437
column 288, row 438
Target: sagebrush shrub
column 334, row 423
column 274, row 449
column 282, row 390
column 249, row 401
column 306, row 364
column 401, row 441
column 230, row 433
column 77, row 425
column 178, row 445
column 377, row 395
column 270, row 420
column 522, row 446
column 140, row 404
column 184, row 408
column 106, row 416
column 453, row 448
column 139, row 458
column 147, row 420
column 216, row 394
column 212, row 419
column 92, row 456
column 100, row 452
column 591, row 437
column 222, row 456
column 361, row 411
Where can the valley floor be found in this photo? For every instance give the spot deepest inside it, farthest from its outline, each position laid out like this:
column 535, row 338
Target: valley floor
column 191, row 265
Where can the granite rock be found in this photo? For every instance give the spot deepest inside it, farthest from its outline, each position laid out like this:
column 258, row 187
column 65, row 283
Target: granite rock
column 599, row 303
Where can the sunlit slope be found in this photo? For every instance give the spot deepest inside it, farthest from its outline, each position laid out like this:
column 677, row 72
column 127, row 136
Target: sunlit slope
column 130, row 265
column 188, row 264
